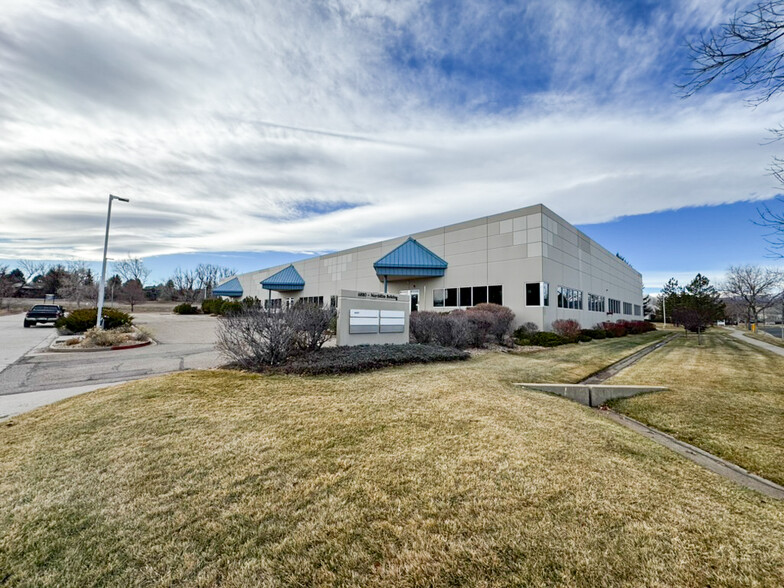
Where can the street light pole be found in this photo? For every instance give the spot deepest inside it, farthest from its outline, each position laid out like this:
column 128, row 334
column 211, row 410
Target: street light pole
column 102, row 287
column 664, row 310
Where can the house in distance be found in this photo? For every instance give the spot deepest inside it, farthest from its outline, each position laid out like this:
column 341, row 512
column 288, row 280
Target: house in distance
column 529, row 259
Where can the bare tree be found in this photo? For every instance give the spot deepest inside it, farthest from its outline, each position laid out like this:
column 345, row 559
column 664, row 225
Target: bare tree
column 207, row 275
column 132, row 292
column 131, row 268
column 77, row 283
column 755, row 286
column 748, row 50
column 184, row 282
column 33, row 268
column 7, row 282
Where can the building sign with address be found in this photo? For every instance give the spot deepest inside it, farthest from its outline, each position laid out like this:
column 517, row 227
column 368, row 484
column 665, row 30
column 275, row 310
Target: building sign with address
column 368, row 318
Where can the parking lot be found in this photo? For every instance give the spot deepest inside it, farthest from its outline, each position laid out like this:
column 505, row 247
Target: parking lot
column 183, row 342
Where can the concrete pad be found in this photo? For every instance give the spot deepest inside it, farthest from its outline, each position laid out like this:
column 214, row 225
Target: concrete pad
column 591, row 394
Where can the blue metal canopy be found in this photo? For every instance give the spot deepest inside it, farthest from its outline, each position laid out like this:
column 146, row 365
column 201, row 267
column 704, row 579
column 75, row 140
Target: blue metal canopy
column 410, row 259
column 231, row 288
column 286, row 280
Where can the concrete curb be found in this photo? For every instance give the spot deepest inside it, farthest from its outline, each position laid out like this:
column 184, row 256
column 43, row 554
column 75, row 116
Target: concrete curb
column 54, row 349
column 699, row 456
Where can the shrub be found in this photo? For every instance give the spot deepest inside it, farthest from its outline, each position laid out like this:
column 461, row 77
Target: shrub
column 567, row 328
column 185, row 308
column 638, row 327
column 96, row 337
column 83, row 319
column 230, row 307
column 474, row 327
column 428, row 328
column 342, row 360
column 446, row 330
column 255, row 338
column 482, row 325
column 613, row 329
column 251, row 302
column 311, row 324
column 212, row 306
column 594, row 333
column 546, row 339
column 523, row 332
column 503, row 317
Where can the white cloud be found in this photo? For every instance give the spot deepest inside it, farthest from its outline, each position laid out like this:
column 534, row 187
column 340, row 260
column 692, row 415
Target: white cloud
column 234, row 126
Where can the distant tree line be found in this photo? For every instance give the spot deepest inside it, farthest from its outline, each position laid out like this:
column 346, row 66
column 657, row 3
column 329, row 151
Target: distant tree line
column 76, row 283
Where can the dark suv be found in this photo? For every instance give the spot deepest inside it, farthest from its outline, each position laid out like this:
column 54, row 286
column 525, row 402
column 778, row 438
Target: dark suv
column 43, row 313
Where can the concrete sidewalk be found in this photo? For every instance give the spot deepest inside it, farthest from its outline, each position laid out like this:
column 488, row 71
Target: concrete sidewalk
column 15, row 404
column 761, row 344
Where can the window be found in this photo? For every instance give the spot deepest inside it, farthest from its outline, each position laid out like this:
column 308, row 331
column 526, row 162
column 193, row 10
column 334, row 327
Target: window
column 637, row 310
column 570, row 298
column 465, row 296
column 595, row 303
column 438, row 298
column 333, row 301
column 614, row 306
column 537, row 294
column 627, row 308
column 314, row 300
column 273, row 303
column 495, row 294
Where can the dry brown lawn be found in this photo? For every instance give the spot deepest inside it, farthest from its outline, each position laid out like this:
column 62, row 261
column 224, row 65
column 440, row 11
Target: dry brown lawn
column 439, row 475
column 725, row 396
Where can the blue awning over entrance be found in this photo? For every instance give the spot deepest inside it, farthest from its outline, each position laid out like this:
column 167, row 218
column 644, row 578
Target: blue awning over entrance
column 231, row 288
column 286, row 280
column 411, row 259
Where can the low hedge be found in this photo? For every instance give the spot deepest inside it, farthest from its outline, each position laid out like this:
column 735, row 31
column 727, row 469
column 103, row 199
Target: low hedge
column 223, row 307
column 606, row 330
column 185, row 308
column 83, row 319
column 211, row 306
column 545, row 339
column 362, row 358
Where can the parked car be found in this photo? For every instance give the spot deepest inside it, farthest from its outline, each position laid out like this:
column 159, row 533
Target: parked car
column 43, row 313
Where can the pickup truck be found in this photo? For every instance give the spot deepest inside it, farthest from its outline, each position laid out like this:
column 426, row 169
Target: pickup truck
column 43, row 313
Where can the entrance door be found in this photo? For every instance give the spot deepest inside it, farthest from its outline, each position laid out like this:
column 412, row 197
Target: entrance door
column 414, row 295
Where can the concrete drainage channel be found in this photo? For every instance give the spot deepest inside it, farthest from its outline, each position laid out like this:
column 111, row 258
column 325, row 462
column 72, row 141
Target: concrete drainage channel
column 591, row 392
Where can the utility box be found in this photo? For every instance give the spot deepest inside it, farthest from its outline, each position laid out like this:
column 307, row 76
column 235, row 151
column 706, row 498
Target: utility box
column 372, row 318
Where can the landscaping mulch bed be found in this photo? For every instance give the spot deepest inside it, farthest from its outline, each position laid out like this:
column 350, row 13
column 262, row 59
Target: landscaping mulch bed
column 362, row 358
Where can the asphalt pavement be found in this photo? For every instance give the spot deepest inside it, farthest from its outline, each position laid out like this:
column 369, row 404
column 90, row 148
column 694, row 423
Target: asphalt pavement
column 183, row 343
column 16, row 341
column 774, row 330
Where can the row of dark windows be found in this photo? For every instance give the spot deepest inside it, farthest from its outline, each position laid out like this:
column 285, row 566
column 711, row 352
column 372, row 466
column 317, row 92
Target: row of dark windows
column 467, row 296
column 570, row 298
column 538, row 294
column 595, row 303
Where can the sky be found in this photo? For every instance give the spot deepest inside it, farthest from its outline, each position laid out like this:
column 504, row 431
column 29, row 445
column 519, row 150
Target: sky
column 254, row 133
